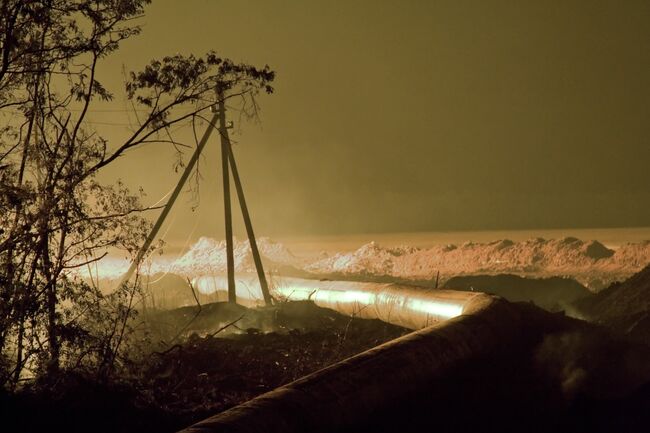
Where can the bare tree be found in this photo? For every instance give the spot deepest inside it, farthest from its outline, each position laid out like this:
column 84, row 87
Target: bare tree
column 55, row 216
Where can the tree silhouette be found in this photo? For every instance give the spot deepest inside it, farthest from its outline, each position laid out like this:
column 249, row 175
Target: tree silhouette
column 55, row 216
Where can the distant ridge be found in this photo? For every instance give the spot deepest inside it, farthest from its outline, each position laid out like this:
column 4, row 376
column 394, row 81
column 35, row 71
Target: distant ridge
column 589, row 262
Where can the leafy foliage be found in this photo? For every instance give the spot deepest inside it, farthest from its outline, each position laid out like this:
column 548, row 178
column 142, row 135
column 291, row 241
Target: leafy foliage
column 55, row 217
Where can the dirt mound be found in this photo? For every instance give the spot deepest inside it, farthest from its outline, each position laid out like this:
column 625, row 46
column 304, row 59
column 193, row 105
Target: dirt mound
column 624, row 306
column 553, row 294
column 590, row 263
column 208, row 256
column 206, row 375
column 596, row 250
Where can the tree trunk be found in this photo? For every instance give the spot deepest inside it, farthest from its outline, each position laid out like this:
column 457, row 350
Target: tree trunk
column 51, row 302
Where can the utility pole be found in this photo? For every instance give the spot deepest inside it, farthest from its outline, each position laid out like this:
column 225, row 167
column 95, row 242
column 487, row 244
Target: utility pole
column 225, row 147
column 229, row 158
column 249, row 229
column 227, row 162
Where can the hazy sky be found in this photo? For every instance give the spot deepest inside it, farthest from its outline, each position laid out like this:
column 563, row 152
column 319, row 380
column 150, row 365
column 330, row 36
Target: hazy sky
column 416, row 115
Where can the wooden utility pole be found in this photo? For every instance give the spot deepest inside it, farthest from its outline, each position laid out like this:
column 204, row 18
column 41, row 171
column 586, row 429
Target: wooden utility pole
column 228, row 156
column 249, row 229
column 227, row 162
column 225, row 149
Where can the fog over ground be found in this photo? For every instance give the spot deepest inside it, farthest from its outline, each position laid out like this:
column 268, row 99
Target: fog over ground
column 413, row 116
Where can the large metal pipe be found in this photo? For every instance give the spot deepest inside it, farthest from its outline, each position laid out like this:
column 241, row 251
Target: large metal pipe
column 434, row 364
column 402, row 305
column 336, row 397
column 373, row 382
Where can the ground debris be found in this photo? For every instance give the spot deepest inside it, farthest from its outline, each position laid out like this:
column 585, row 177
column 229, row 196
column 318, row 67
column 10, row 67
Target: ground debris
column 208, row 374
column 203, row 372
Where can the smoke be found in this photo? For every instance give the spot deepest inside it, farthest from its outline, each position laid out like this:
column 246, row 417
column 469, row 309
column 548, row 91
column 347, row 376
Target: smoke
column 571, row 311
column 588, row 362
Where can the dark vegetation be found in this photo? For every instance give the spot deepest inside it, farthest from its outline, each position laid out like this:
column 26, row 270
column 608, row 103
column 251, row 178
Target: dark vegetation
column 219, row 361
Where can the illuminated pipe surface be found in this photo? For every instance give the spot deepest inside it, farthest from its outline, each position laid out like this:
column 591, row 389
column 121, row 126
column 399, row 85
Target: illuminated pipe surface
column 407, row 306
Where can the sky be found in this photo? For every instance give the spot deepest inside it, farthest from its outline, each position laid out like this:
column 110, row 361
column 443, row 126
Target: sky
column 403, row 116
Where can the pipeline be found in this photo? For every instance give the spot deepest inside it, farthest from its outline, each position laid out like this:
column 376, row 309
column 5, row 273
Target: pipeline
column 356, row 388
column 407, row 306
column 425, row 372
column 375, row 381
